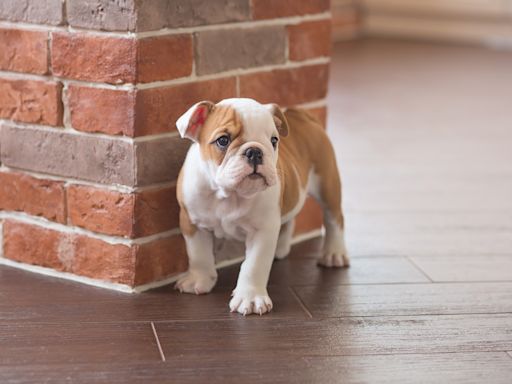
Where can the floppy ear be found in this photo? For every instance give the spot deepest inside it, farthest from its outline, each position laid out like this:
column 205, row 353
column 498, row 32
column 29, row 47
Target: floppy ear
column 279, row 119
column 191, row 122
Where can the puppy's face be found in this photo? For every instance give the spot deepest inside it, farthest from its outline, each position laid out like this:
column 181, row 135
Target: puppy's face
column 239, row 142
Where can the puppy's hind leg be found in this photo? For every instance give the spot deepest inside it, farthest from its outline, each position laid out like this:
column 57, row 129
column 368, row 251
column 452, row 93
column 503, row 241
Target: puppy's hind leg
column 284, row 243
column 326, row 188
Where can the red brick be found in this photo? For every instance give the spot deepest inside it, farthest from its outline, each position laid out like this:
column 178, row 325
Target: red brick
column 158, row 109
column 31, row 101
column 287, row 87
column 102, row 110
column 310, row 39
column 94, row 58
column 101, row 210
column 100, row 260
column 309, row 218
column 66, row 252
column 123, row 214
column 156, row 210
column 271, row 9
column 32, row 244
column 160, row 259
column 24, row 51
column 320, row 113
column 164, row 58
column 37, row 197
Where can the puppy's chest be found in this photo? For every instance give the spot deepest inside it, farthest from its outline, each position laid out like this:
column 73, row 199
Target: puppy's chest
column 227, row 218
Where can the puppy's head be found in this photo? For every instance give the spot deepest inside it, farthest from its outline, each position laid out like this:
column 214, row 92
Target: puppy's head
column 239, row 142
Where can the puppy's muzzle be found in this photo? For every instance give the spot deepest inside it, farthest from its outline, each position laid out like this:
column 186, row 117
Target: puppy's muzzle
column 254, row 156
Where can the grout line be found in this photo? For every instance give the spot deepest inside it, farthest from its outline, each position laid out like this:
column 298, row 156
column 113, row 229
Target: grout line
column 155, row 334
column 193, row 78
column 234, row 72
column 67, row 130
column 235, row 25
column 71, row 181
column 157, row 136
column 418, row 268
column 167, row 31
column 301, row 303
column 114, row 240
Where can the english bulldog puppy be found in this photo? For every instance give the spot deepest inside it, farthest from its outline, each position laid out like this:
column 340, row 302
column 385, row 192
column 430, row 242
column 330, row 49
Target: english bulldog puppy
column 245, row 177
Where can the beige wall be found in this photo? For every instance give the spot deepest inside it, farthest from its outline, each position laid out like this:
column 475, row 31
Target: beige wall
column 476, row 21
column 346, row 19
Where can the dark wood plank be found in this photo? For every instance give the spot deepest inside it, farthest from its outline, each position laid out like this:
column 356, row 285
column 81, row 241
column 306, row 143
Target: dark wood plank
column 43, row 299
column 345, row 336
column 406, row 299
column 464, row 368
column 363, row 270
column 461, row 268
column 32, row 344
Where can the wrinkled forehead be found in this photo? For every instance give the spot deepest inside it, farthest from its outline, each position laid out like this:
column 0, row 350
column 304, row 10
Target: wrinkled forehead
column 255, row 118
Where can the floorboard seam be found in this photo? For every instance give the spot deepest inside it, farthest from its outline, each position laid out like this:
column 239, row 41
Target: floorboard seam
column 419, row 269
column 301, row 303
column 155, row 334
column 509, row 354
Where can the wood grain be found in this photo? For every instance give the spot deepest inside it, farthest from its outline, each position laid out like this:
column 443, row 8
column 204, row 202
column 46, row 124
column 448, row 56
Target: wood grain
column 463, row 368
column 363, row 270
column 346, row 336
column 75, row 342
column 406, row 299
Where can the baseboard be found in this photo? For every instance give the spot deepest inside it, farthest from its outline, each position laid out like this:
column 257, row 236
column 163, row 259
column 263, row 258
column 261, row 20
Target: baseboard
column 493, row 32
column 126, row 288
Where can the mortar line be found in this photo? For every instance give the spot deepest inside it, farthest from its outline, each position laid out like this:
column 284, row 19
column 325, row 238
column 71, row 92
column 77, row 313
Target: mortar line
column 167, row 83
column 74, row 230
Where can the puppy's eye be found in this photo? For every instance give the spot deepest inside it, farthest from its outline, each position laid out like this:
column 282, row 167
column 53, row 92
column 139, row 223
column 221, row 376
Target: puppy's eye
column 223, row 141
column 274, row 141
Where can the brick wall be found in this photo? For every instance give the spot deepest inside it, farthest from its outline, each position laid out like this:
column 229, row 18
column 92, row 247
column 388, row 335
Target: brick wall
column 89, row 93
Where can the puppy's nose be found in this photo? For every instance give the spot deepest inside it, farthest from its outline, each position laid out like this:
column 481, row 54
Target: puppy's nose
column 254, row 156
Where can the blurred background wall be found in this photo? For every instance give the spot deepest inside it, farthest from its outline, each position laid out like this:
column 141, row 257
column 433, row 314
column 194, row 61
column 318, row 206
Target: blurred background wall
column 486, row 22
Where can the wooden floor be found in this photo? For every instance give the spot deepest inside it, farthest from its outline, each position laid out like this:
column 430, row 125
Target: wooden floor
column 424, row 137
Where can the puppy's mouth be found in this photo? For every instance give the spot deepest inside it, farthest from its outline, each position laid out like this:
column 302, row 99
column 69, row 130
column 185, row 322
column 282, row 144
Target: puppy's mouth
column 255, row 176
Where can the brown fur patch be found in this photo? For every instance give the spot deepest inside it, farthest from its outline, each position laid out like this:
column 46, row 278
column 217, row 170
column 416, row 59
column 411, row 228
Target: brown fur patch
column 308, row 146
column 221, row 120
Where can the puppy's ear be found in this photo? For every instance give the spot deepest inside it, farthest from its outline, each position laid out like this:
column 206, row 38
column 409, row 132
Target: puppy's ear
column 191, row 122
column 279, row 119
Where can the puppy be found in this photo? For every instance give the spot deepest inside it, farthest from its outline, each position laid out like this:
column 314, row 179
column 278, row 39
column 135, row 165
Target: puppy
column 245, row 177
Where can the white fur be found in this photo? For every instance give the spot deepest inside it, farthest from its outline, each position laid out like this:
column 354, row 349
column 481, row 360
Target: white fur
column 222, row 201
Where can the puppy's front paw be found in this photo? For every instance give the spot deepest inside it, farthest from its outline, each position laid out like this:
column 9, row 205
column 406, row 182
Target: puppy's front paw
column 250, row 301
column 334, row 256
column 194, row 282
